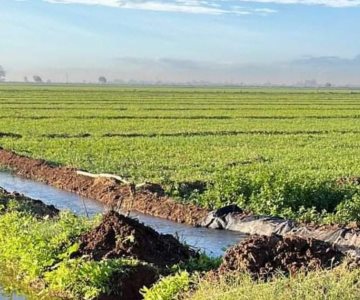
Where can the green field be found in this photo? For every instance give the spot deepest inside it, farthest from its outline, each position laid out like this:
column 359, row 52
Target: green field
column 276, row 151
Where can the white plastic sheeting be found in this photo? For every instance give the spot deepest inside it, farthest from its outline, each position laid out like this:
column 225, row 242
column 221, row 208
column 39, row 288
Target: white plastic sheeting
column 231, row 217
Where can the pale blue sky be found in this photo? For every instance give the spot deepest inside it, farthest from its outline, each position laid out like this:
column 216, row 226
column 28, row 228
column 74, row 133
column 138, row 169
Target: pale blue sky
column 182, row 40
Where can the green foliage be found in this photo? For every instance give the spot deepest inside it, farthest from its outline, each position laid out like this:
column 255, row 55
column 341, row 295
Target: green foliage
column 171, row 286
column 347, row 211
column 202, row 263
column 168, row 288
column 86, row 279
column 31, row 246
column 280, row 193
column 339, row 283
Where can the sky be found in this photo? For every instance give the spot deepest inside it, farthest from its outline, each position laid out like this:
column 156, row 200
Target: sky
column 218, row 41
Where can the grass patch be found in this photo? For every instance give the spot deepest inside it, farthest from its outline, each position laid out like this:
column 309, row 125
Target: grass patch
column 335, row 284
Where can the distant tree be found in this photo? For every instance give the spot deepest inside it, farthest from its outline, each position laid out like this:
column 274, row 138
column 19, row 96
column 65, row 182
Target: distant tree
column 37, row 79
column 48, row 81
column 102, row 80
column 26, row 79
column 328, row 85
column 2, row 74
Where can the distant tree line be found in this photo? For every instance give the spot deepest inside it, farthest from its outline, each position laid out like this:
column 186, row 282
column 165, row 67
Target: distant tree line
column 38, row 79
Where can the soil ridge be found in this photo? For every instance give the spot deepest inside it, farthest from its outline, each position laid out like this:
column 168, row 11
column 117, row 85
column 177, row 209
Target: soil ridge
column 106, row 190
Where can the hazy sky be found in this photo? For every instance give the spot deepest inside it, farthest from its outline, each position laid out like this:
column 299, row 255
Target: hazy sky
column 279, row 41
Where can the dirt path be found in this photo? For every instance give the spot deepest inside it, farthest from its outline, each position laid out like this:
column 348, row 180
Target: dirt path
column 107, row 191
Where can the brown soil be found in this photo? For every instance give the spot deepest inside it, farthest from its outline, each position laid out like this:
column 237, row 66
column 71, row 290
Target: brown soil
column 24, row 204
column 263, row 256
column 128, row 285
column 119, row 236
column 108, row 191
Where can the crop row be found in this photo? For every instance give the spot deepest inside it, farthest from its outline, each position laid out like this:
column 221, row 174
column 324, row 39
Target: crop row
column 272, row 151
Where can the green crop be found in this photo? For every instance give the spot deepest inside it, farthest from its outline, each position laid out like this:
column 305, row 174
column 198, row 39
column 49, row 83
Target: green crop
column 168, row 288
column 276, row 151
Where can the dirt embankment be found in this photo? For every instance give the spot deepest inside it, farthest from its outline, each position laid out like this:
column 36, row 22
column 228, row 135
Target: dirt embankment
column 263, row 256
column 119, row 236
column 108, row 191
column 21, row 203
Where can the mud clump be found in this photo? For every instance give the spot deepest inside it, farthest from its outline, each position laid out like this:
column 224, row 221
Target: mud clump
column 263, row 256
column 119, row 236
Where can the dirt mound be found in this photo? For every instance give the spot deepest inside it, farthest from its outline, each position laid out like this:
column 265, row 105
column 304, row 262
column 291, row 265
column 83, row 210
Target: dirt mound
column 262, row 256
column 148, row 200
column 21, row 203
column 120, row 236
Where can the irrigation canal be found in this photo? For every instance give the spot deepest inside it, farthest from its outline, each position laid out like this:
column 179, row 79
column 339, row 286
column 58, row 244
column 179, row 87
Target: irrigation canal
column 213, row 242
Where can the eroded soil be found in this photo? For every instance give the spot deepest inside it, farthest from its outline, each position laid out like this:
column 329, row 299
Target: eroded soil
column 108, row 191
column 263, row 256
